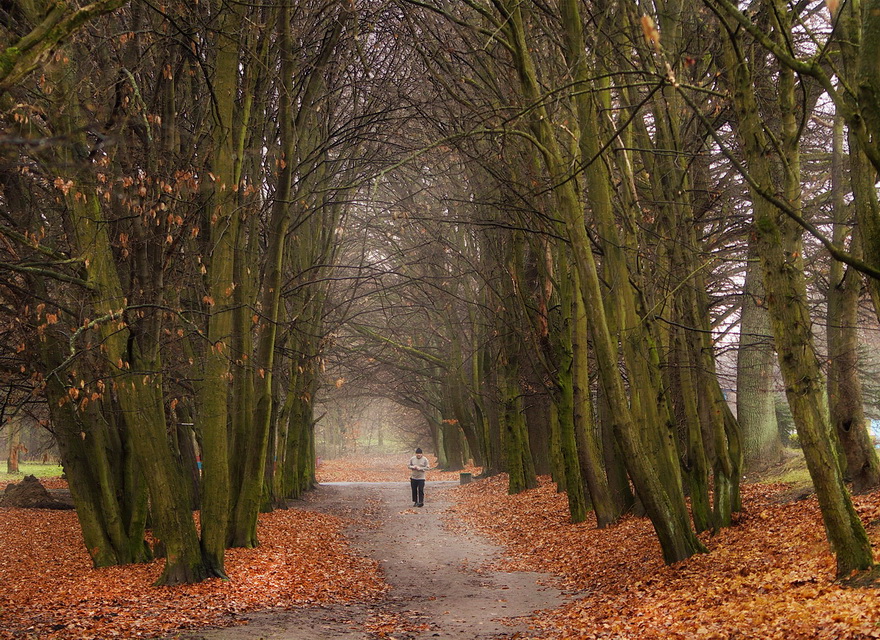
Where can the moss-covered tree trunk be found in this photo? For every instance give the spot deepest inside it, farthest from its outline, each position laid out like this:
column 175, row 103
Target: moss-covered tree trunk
column 856, row 29
column 565, row 393
column 779, row 245
column 514, row 430
column 129, row 341
column 862, row 36
column 696, row 464
column 665, row 507
column 635, row 328
column 722, row 426
column 253, row 442
column 219, row 259
column 461, row 405
column 109, row 492
column 589, row 444
column 844, row 385
column 520, row 470
column 52, row 24
column 297, row 465
column 106, row 484
column 485, row 377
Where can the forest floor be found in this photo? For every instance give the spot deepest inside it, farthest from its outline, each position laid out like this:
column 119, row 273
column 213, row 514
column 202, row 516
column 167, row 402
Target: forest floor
column 440, row 583
column 357, row 561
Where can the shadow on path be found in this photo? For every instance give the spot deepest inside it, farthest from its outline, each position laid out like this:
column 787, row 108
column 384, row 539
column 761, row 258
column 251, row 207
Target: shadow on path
column 440, row 584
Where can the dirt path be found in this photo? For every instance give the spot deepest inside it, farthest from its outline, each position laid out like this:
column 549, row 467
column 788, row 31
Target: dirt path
column 440, row 586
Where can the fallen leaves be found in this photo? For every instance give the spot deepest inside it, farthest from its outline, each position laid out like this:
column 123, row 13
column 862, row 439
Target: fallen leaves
column 50, row 590
column 769, row 576
column 380, row 468
column 383, row 625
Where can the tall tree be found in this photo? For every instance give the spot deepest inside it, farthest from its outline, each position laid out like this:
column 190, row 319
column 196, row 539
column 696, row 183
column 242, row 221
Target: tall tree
column 844, row 386
column 755, row 378
column 663, row 504
column 780, row 248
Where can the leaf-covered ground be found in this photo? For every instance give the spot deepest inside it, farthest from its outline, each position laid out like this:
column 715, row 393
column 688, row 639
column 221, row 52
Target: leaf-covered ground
column 49, row 590
column 381, row 468
column 768, row 577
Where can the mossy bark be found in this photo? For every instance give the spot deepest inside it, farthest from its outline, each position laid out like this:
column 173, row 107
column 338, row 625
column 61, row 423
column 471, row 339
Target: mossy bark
column 696, row 464
column 779, row 246
column 565, row 396
column 521, row 471
column 219, row 259
column 589, row 444
column 844, row 385
column 129, row 344
column 110, row 503
column 650, row 475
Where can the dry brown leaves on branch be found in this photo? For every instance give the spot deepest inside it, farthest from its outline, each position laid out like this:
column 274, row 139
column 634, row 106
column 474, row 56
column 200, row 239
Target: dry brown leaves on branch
column 770, row 576
column 381, row 468
column 49, row 590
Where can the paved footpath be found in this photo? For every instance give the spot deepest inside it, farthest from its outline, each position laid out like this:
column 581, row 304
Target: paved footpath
column 440, row 584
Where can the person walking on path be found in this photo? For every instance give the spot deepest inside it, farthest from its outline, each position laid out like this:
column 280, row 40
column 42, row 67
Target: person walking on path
column 418, row 465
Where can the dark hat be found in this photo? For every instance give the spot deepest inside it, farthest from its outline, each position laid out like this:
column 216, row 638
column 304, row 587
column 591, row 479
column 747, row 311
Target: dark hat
column 418, row 450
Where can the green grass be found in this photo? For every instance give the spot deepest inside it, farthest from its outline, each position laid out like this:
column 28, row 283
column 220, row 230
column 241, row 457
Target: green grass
column 792, row 470
column 31, row 469
column 791, row 476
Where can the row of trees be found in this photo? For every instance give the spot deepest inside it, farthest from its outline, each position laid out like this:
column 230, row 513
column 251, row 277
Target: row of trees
column 530, row 222
column 675, row 131
column 174, row 179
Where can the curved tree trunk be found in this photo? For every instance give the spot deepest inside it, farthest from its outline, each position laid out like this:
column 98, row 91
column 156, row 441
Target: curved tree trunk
column 666, row 509
column 779, row 246
column 589, row 443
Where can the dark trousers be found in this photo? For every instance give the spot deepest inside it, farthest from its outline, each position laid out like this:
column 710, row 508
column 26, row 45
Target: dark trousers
column 418, row 490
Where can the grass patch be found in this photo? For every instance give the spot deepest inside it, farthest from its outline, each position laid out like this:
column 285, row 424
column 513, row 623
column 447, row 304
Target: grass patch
column 795, row 473
column 31, row 469
column 792, row 469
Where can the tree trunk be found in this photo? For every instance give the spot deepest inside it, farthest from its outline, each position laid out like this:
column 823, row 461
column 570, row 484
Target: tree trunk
column 107, row 487
column 252, row 441
column 844, row 386
column 589, row 444
column 666, row 509
column 755, row 409
column 219, row 260
column 696, row 464
column 779, row 246
column 859, row 46
column 565, row 394
column 14, row 446
column 129, row 344
column 519, row 467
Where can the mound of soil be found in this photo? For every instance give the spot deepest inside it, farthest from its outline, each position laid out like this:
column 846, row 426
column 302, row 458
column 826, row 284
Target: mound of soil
column 31, row 494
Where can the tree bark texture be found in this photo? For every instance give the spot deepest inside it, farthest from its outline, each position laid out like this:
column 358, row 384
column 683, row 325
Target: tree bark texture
column 755, row 405
column 666, row 509
column 844, row 386
column 779, row 246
